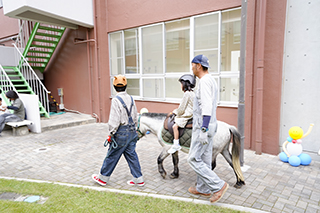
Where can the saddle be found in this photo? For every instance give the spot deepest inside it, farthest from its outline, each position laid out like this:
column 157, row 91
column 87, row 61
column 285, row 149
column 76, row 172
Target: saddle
column 169, row 122
column 184, row 133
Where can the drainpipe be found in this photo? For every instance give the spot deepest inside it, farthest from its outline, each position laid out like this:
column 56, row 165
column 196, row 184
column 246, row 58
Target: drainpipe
column 260, row 72
column 241, row 105
column 96, row 57
column 89, row 70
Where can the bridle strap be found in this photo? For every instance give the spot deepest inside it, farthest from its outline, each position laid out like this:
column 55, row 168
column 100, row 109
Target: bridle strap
column 138, row 127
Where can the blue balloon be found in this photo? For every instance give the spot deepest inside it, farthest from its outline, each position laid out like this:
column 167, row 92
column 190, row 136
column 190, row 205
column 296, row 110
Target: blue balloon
column 289, row 139
column 294, row 160
column 283, row 157
column 305, row 159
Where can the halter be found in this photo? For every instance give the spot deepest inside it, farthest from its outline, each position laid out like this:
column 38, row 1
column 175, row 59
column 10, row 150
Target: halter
column 138, row 127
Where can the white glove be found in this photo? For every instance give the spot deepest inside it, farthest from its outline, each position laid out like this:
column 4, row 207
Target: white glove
column 203, row 137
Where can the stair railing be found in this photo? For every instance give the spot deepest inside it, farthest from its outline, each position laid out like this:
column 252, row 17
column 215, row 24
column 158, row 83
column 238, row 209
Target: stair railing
column 25, row 29
column 5, row 81
column 33, row 80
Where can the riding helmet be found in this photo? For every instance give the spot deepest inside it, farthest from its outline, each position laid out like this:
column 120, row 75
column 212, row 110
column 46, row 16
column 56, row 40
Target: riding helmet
column 190, row 78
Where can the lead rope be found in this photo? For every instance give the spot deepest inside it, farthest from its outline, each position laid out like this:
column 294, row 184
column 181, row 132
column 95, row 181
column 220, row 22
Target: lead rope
column 113, row 144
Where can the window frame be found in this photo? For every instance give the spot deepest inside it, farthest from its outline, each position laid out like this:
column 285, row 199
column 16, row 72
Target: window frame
column 163, row 75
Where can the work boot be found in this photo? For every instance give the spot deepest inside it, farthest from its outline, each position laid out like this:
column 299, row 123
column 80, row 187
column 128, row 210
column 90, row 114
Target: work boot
column 218, row 195
column 194, row 191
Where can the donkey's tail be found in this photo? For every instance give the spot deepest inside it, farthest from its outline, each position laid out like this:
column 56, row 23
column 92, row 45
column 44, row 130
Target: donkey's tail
column 236, row 153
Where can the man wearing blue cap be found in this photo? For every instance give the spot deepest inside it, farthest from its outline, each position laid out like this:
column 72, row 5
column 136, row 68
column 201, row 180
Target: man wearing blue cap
column 204, row 128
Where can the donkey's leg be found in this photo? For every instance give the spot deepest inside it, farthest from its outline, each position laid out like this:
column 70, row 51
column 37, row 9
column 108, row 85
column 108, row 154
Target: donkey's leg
column 227, row 155
column 175, row 160
column 161, row 158
column 213, row 163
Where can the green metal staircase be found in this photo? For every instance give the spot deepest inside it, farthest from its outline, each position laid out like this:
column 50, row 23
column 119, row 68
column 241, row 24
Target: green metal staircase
column 41, row 45
column 22, row 86
column 39, row 49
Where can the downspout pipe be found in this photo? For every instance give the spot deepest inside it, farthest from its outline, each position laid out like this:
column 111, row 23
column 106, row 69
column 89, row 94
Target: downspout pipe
column 96, row 58
column 241, row 105
column 260, row 72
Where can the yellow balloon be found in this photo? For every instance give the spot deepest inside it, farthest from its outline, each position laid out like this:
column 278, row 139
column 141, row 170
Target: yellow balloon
column 295, row 132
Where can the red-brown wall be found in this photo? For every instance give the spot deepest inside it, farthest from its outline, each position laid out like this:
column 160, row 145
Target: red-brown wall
column 9, row 26
column 68, row 69
column 272, row 75
column 126, row 14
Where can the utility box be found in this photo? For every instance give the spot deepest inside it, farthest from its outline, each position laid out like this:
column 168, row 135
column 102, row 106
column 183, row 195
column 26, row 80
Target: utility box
column 60, row 91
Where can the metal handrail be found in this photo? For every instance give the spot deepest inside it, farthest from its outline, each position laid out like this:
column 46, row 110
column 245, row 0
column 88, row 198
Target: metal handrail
column 33, row 80
column 3, row 73
column 25, row 60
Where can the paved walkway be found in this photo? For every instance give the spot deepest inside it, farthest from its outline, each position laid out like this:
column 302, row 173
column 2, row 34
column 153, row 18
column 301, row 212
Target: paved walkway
column 73, row 154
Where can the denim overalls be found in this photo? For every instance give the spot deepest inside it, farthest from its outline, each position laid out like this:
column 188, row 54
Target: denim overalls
column 200, row 156
column 126, row 138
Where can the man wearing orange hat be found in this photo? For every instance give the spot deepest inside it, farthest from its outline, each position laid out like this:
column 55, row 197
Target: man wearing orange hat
column 122, row 136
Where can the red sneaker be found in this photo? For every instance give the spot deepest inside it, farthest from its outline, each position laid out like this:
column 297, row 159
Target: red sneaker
column 131, row 183
column 98, row 180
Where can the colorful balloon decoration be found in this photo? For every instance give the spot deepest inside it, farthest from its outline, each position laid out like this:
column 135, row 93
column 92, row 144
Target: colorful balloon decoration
column 292, row 148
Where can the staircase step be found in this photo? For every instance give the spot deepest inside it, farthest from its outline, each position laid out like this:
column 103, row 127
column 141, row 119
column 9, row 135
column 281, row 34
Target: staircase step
column 43, row 46
column 20, row 85
column 57, row 35
column 11, row 72
column 38, row 62
column 40, row 65
column 51, row 29
column 35, row 56
column 44, row 55
column 10, row 75
column 23, row 90
column 16, row 80
column 39, row 51
column 8, row 68
column 46, row 41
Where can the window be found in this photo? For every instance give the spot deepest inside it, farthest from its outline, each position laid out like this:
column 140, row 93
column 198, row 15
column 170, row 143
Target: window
column 178, row 46
column 131, row 44
column 116, row 59
column 206, row 38
column 152, row 49
column 153, row 57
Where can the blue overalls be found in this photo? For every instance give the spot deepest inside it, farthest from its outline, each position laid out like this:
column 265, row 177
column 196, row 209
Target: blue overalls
column 126, row 138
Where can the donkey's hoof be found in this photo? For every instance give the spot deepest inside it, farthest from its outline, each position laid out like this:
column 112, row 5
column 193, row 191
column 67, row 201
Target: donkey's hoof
column 239, row 184
column 173, row 176
column 163, row 175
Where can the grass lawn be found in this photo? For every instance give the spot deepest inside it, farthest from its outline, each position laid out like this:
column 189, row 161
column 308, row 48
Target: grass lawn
column 73, row 199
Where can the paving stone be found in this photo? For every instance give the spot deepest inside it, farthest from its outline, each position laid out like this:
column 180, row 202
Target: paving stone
column 74, row 153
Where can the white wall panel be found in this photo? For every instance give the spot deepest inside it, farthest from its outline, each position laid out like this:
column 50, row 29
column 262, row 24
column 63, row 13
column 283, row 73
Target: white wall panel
column 68, row 13
column 301, row 72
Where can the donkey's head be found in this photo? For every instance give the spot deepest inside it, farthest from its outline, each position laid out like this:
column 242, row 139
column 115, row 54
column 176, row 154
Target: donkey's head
column 150, row 122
